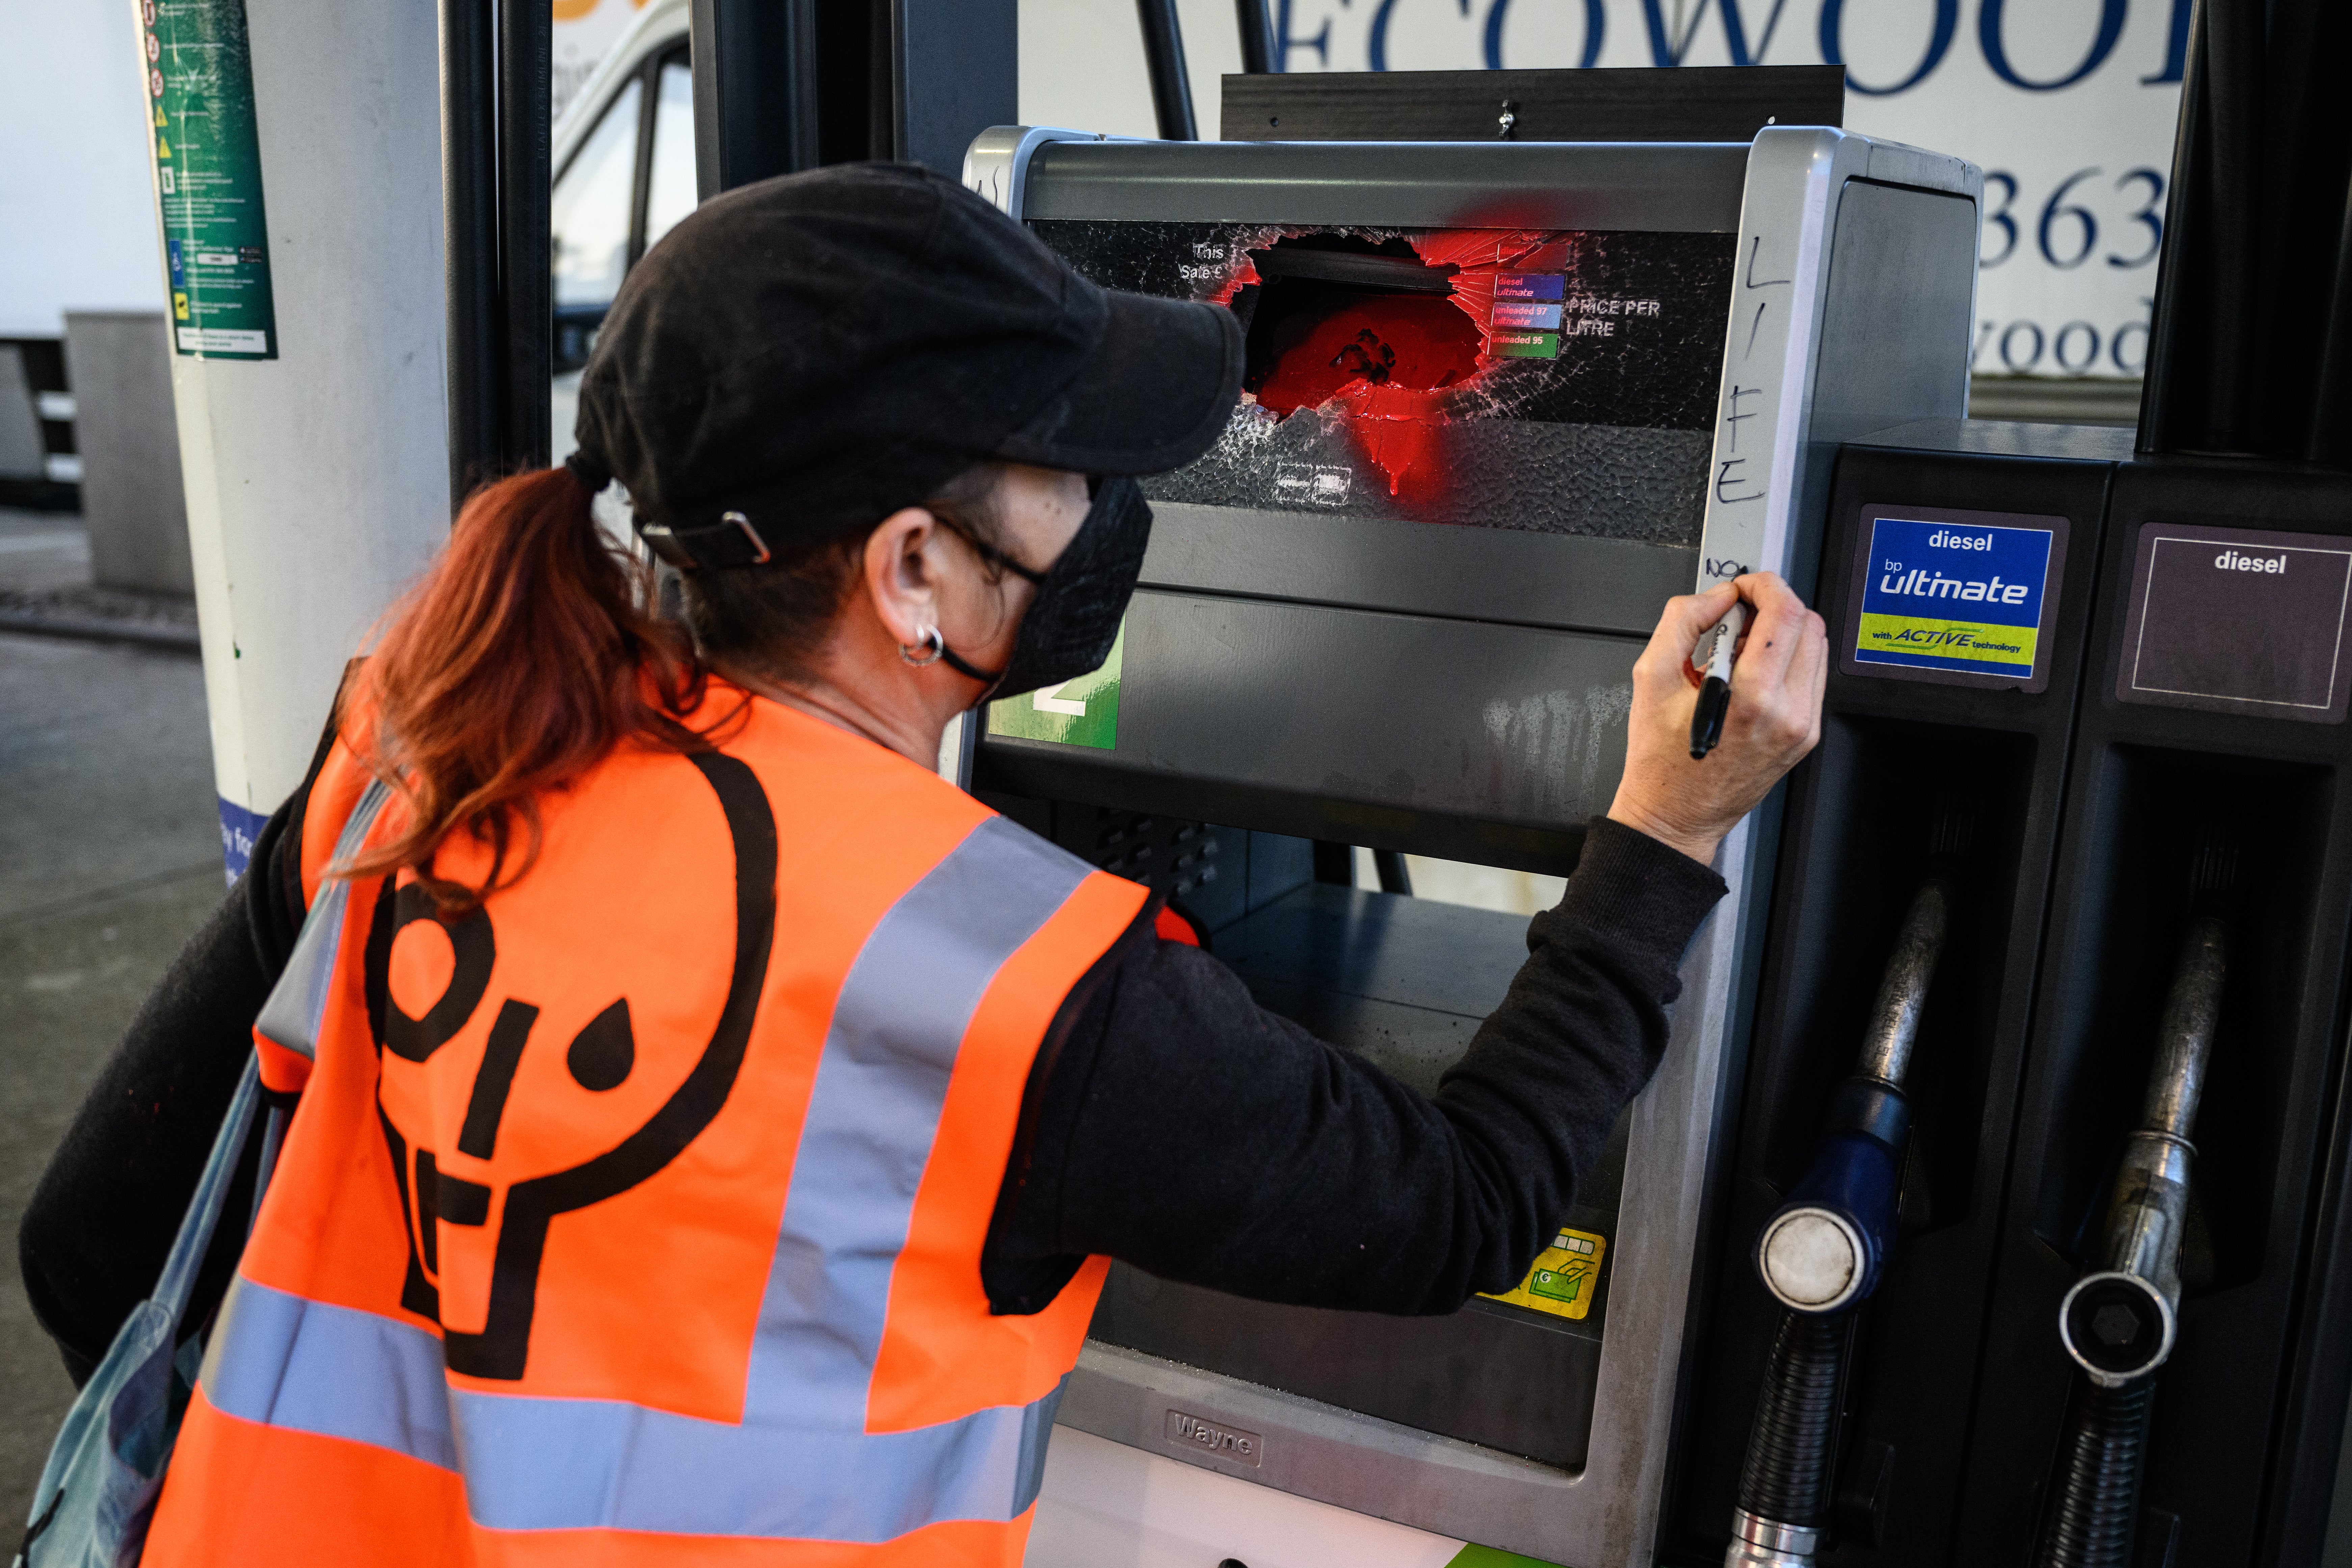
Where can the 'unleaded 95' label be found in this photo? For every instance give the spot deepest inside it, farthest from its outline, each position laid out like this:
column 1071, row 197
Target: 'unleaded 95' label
column 1955, row 596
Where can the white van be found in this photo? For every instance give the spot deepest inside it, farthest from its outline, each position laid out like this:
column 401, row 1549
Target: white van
column 624, row 161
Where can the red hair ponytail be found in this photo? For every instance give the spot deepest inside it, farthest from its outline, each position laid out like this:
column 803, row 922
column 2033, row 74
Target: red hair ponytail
column 527, row 654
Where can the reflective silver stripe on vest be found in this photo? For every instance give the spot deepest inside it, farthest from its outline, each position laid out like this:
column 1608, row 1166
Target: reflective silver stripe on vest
column 297, row 1003
column 801, row 1464
column 281, row 1360
column 874, row 1110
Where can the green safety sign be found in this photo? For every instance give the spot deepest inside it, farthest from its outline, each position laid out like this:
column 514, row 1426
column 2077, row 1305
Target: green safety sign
column 208, row 178
column 1081, row 712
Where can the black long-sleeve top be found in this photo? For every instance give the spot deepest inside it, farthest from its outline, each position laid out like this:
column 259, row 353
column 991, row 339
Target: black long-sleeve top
column 1333, row 1184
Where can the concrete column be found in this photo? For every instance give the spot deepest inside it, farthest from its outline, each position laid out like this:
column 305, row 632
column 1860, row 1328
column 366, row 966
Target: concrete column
column 119, row 365
column 318, row 482
column 21, row 448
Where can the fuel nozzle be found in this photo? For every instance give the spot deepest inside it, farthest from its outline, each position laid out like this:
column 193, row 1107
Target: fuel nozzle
column 2119, row 1321
column 1822, row 1253
column 1825, row 1249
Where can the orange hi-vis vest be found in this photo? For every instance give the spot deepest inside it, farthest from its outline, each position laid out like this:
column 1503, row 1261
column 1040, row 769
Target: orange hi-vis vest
column 636, row 1218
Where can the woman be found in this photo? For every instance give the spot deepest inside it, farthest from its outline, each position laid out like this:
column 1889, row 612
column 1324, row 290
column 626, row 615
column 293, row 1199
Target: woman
column 711, row 1127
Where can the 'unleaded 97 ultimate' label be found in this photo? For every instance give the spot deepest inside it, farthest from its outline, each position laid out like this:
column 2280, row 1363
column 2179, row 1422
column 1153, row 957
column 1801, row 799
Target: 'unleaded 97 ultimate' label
column 1961, row 597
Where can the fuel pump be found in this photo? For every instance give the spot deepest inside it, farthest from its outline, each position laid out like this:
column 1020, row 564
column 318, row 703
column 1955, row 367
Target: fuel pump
column 2119, row 1321
column 1824, row 1251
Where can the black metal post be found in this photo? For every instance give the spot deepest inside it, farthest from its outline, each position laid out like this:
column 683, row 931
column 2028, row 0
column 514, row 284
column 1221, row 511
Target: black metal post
column 1256, row 23
column 842, row 51
column 1163, row 55
column 2250, row 346
column 954, row 71
column 469, row 225
column 755, row 90
column 526, row 263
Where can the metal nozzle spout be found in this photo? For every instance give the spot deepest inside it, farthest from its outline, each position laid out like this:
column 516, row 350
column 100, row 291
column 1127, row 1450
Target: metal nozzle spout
column 2119, row 1320
column 2184, row 1041
column 1903, row 990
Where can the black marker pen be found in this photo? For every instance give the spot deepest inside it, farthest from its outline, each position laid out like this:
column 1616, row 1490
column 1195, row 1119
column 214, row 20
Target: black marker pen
column 1715, row 691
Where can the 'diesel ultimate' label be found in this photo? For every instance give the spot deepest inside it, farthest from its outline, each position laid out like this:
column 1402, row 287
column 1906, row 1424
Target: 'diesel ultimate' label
column 1954, row 595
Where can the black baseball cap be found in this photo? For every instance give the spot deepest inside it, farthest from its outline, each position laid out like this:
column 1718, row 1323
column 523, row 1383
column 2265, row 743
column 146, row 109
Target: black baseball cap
column 810, row 353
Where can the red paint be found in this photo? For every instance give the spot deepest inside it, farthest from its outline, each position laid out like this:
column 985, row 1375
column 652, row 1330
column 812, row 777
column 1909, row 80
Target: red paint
column 1244, row 274
column 1169, row 926
column 1388, row 365
column 1393, row 342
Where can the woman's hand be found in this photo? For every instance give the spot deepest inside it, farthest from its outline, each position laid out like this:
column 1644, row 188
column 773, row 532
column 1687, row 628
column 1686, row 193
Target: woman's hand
column 1775, row 717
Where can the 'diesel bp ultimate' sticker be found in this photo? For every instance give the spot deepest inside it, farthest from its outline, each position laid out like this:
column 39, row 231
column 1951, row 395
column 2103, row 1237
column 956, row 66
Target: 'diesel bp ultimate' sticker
column 1956, row 597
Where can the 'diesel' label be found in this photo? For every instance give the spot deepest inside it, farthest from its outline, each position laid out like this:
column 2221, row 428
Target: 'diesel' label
column 1954, row 596
column 2234, row 620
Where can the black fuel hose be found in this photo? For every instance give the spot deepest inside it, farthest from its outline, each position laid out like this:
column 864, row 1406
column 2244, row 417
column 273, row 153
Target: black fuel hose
column 1786, row 1477
column 2089, row 1518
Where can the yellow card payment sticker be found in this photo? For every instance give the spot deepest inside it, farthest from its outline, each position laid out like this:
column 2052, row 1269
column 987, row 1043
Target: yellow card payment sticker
column 1564, row 1278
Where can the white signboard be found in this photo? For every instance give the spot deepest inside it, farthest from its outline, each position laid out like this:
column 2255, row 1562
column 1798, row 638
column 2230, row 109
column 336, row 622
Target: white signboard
column 2068, row 106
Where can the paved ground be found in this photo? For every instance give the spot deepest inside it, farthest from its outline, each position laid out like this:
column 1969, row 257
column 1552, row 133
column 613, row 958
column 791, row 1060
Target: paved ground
column 42, row 553
column 110, row 855
column 45, row 588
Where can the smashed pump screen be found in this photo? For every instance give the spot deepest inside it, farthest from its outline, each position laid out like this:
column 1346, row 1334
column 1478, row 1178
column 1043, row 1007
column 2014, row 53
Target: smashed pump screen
column 1551, row 380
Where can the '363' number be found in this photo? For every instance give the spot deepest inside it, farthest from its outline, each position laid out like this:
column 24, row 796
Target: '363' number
column 2067, row 224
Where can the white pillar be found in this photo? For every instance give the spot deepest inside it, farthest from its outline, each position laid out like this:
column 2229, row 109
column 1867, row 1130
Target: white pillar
column 318, row 481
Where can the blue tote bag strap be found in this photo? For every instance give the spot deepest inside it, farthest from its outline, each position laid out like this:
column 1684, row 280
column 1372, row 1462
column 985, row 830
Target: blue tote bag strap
column 296, row 1006
column 297, row 1003
column 203, row 1219
column 97, row 1492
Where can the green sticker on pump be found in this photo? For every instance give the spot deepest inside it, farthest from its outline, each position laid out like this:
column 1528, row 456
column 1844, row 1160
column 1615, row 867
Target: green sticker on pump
column 1475, row 1556
column 1565, row 1275
column 1080, row 712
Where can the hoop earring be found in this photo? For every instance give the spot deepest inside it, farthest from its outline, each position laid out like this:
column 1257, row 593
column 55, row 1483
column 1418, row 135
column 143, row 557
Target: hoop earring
column 929, row 637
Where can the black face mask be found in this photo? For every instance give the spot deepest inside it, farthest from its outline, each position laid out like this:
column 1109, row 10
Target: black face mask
column 1074, row 619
